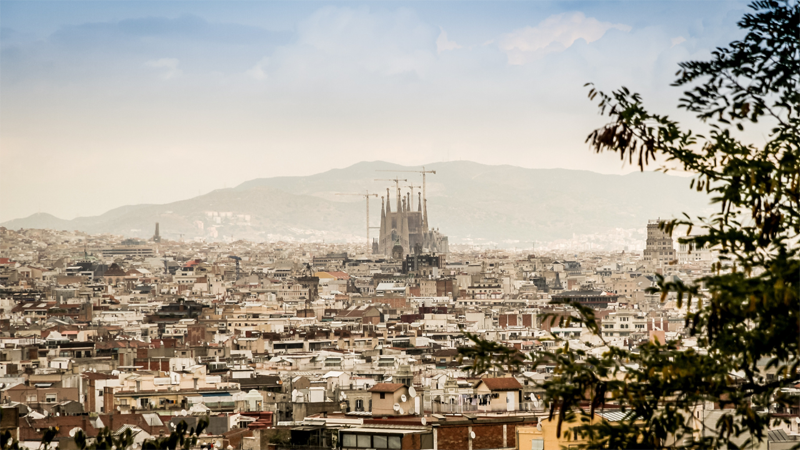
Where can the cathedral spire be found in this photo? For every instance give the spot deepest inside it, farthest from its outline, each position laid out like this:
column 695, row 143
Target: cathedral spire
column 419, row 202
column 425, row 213
column 388, row 203
column 382, row 236
column 399, row 198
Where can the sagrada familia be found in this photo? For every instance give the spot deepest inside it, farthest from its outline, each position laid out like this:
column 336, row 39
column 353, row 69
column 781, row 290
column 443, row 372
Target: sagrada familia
column 404, row 231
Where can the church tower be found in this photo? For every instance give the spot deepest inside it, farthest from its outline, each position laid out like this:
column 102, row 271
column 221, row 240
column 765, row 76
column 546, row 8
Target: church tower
column 157, row 236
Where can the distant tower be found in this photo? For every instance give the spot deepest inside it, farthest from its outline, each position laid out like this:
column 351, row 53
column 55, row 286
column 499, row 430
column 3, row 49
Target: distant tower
column 157, row 236
column 659, row 248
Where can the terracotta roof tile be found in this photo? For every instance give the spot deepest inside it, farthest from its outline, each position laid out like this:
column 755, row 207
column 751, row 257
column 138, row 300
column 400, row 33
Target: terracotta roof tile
column 386, row 387
column 501, row 384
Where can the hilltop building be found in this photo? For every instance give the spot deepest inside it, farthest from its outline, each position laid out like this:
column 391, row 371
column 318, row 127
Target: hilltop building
column 405, row 231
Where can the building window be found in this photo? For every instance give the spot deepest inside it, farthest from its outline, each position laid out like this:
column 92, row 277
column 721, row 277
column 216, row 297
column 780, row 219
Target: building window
column 426, row 441
column 537, row 444
column 380, row 441
column 348, row 440
column 383, row 395
column 50, row 398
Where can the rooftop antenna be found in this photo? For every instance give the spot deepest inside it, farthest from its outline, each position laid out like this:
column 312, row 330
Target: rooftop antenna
column 366, row 197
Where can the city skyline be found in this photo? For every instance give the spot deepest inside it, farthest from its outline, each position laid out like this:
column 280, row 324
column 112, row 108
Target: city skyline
column 191, row 97
column 399, row 225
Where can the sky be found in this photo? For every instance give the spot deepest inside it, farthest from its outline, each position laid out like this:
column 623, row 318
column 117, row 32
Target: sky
column 104, row 104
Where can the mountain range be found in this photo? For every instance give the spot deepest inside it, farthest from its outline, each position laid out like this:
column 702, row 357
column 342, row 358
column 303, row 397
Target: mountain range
column 466, row 201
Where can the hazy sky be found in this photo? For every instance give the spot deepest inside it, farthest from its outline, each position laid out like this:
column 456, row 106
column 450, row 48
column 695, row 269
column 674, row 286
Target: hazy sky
column 104, row 104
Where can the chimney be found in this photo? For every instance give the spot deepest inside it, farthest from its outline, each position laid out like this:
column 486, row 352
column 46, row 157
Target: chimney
column 108, row 400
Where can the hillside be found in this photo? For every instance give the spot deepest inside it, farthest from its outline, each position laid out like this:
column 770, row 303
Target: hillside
column 465, row 201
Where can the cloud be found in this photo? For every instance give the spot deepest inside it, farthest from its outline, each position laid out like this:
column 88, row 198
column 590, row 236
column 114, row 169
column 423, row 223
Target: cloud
column 358, row 41
column 443, row 44
column 345, row 84
column 259, row 70
column 554, row 34
column 170, row 64
column 678, row 40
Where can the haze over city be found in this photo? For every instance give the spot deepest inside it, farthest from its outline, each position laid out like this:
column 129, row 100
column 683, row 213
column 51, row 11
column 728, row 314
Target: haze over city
column 106, row 104
column 374, row 225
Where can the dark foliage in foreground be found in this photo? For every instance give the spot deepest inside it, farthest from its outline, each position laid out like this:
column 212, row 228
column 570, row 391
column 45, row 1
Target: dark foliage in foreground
column 748, row 311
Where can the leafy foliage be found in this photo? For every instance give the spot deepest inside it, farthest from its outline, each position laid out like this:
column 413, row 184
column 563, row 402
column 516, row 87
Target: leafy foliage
column 182, row 437
column 747, row 313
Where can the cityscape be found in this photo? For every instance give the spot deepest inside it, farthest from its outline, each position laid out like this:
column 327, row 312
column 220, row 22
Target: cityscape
column 304, row 341
column 394, row 225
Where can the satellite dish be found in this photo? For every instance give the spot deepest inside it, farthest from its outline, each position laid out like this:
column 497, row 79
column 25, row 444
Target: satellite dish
column 401, row 412
column 412, row 392
column 424, row 421
column 403, row 398
column 396, row 407
column 539, row 426
column 184, row 413
column 472, row 435
column 74, row 431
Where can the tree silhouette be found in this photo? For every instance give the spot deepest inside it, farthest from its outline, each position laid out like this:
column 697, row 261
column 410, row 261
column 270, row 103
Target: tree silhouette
column 748, row 316
column 182, row 437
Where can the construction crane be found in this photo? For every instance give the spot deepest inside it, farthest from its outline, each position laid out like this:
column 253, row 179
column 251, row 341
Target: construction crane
column 411, row 203
column 397, row 184
column 423, row 172
column 366, row 197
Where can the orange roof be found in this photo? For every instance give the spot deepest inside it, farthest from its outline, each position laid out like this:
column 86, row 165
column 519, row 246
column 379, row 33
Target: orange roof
column 340, row 275
column 501, row 384
column 387, row 387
